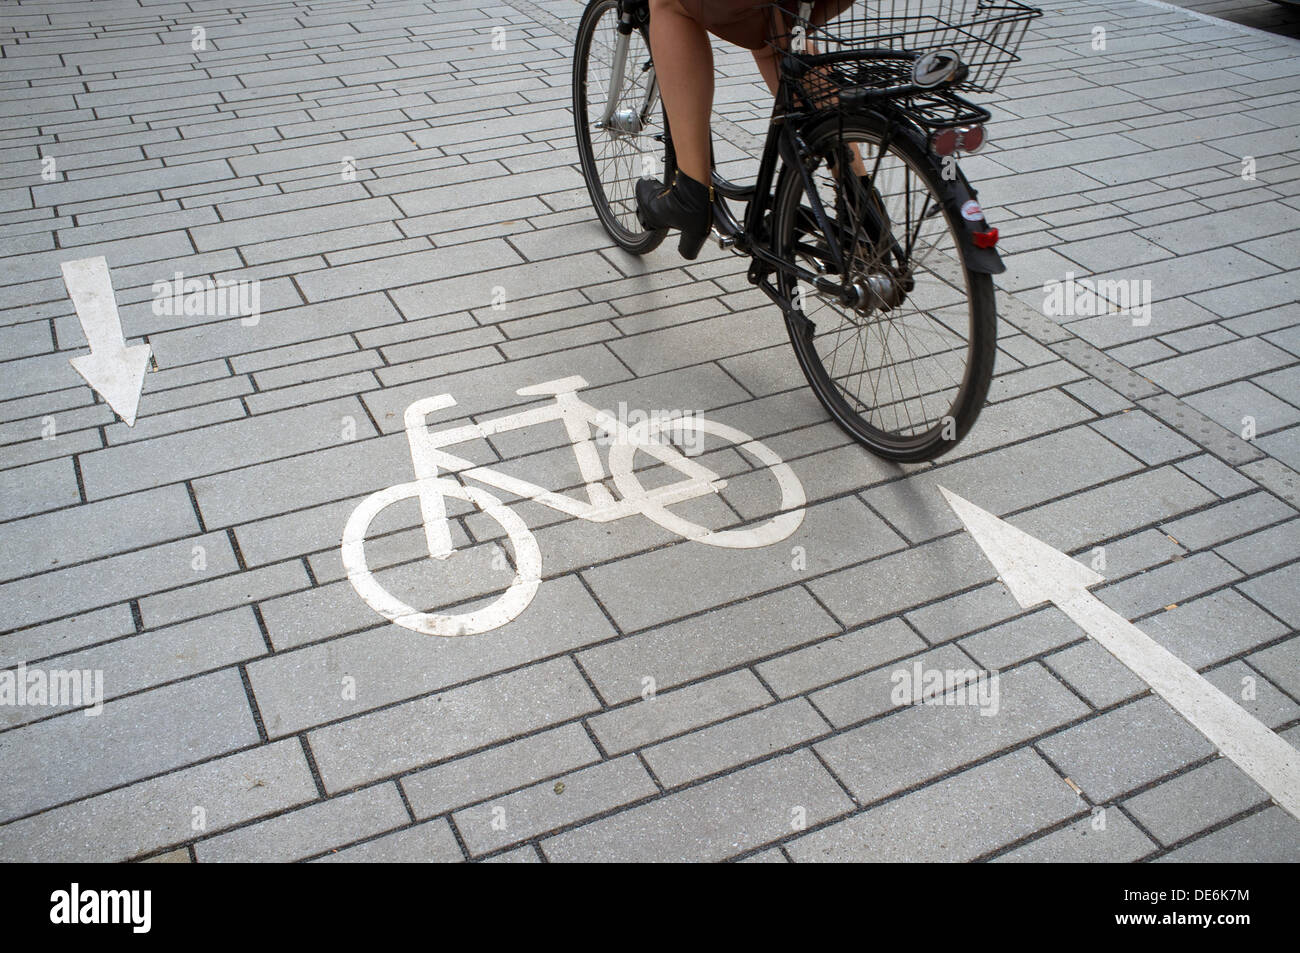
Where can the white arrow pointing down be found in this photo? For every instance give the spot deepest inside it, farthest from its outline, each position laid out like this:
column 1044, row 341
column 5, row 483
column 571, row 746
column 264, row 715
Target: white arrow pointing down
column 114, row 369
column 1035, row 574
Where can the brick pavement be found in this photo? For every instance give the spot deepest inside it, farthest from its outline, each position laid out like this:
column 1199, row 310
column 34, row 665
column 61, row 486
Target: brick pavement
column 407, row 195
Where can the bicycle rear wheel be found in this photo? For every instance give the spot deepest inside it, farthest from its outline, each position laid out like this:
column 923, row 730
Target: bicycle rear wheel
column 907, row 370
column 626, row 145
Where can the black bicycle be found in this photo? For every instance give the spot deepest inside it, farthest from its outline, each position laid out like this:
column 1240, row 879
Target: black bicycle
column 860, row 225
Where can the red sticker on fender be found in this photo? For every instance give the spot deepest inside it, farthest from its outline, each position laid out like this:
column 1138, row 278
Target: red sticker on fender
column 971, row 211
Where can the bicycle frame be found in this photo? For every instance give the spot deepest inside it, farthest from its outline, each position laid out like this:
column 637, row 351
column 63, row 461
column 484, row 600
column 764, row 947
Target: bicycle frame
column 578, row 418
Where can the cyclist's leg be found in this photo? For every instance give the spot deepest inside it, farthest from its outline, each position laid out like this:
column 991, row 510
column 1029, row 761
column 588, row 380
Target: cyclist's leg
column 684, row 66
column 765, row 57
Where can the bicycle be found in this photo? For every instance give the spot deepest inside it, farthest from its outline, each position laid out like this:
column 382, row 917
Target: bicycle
column 580, row 420
column 884, row 278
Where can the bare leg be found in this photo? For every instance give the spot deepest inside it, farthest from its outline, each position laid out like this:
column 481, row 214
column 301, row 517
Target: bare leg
column 684, row 65
column 766, row 59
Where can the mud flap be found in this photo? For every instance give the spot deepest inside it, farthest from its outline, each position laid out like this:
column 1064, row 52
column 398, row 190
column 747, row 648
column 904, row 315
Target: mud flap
column 967, row 211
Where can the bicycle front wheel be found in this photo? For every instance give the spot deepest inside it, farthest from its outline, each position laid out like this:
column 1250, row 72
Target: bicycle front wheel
column 907, row 369
column 618, row 122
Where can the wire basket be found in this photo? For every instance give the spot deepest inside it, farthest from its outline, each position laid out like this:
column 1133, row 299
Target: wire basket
column 986, row 34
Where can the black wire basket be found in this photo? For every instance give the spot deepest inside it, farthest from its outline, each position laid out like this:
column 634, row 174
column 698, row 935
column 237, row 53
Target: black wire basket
column 986, row 34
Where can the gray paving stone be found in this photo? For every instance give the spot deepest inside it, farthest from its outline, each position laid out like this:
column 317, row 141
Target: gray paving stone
column 1119, row 841
column 1283, row 481
column 550, row 805
column 1173, row 583
column 1215, row 475
column 243, row 588
column 441, row 726
column 429, row 842
column 205, row 717
column 1270, row 836
column 148, row 180
column 657, row 716
column 149, row 815
column 904, row 580
column 1264, row 549
column 1255, row 295
column 1145, row 438
column 923, row 742
column 690, row 576
column 718, row 640
column 153, row 658
column 311, row 393
column 275, row 329
column 38, row 487
column 736, row 741
column 481, row 390
column 221, row 447
column 1227, row 520
column 805, row 669
column 309, row 830
column 80, row 533
column 957, row 819
column 1216, row 365
column 712, row 821
column 1010, row 479
column 1278, row 592
column 1239, row 681
column 1013, row 642
column 299, row 689
column 1285, row 446
column 699, row 341
column 113, row 579
column 189, row 418
column 66, row 635
column 1095, row 674
column 1159, row 742
column 1279, row 663
column 957, row 615
column 477, row 777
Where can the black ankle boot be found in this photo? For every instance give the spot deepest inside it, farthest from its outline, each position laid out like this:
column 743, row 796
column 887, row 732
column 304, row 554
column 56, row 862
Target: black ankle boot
column 688, row 206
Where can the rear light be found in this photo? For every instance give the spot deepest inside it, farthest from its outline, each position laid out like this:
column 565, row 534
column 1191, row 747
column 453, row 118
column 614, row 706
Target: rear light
column 985, row 239
column 971, row 139
column 945, row 142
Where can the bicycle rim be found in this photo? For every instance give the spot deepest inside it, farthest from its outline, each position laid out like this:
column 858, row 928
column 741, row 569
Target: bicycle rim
column 906, row 373
column 614, row 156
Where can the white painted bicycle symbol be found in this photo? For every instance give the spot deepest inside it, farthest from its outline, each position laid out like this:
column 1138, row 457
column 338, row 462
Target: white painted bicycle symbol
column 579, row 419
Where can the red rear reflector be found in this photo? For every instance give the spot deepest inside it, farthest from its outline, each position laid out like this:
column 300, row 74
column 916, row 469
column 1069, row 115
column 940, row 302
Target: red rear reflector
column 944, row 142
column 972, row 138
column 985, row 239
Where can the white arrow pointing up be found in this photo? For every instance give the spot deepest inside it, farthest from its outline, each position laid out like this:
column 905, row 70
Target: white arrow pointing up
column 1035, row 573
column 113, row 369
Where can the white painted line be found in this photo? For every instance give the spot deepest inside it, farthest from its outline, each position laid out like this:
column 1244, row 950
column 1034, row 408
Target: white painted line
column 1035, row 573
column 114, row 370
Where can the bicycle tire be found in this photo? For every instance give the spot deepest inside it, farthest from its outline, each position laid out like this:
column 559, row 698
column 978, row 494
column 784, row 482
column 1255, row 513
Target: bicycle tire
column 971, row 392
column 620, row 223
